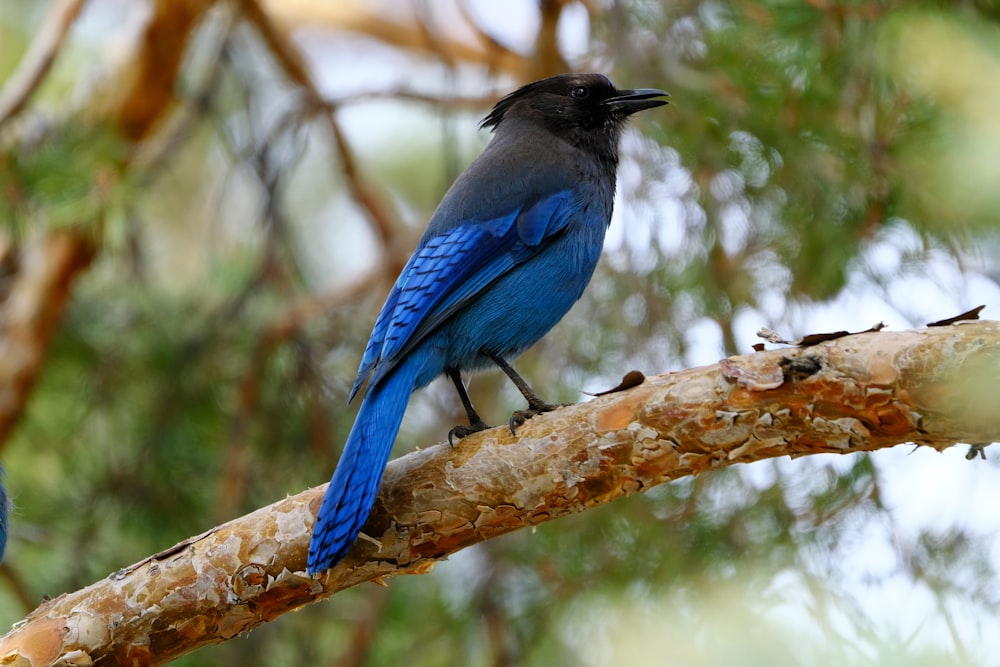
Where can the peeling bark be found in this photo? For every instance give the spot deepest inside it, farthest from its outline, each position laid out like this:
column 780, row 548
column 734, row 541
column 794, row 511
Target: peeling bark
column 931, row 387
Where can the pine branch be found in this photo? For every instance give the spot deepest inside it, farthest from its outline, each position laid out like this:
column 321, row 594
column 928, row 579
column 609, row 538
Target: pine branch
column 932, row 387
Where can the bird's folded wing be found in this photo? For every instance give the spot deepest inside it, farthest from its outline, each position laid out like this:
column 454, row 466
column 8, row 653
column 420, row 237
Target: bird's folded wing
column 450, row 269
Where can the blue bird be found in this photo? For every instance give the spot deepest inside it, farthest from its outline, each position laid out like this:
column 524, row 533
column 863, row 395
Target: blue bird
column 4, row 508
column 506, row 254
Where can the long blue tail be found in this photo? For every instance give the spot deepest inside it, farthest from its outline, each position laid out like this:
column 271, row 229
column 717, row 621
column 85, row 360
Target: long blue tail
column 351, row 494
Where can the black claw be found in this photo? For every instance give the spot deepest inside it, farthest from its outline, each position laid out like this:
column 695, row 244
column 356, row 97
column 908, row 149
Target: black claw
column 516, row 419
column 463, row 430
column 535, row 408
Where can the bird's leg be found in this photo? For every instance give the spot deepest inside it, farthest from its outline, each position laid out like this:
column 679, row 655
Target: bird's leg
column 536, row 405
column 476, row 422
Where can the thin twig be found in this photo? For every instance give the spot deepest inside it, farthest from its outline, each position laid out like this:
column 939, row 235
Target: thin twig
column 497, row 50
column 452, row 103
column 39, row 58
column 290, row 60
column 49, row 265
column 151, row 158
column 367, row 19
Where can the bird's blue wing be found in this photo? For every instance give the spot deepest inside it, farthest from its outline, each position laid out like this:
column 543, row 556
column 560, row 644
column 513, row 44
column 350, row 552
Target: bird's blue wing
column 374, row 348
column 450, row 268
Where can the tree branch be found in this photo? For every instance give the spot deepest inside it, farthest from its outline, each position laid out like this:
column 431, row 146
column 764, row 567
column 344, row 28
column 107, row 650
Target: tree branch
column 292, row 62
column 932, row 387
column 53, row 259
column 143, row 92
column 399, row 32
column 49, row 263
column 39, row 58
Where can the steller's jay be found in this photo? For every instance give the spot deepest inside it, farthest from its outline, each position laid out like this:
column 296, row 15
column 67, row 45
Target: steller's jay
column 507, row 252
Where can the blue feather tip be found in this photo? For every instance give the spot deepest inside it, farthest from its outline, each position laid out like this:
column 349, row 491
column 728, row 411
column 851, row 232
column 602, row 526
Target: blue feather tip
column 4, row 509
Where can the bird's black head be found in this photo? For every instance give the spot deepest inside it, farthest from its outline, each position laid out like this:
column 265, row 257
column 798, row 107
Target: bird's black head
column 574, row 101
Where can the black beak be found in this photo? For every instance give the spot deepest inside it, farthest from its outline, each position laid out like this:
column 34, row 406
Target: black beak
column 629, row 101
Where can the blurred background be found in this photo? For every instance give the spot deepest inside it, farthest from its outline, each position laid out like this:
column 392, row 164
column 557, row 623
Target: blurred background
column 204, row 203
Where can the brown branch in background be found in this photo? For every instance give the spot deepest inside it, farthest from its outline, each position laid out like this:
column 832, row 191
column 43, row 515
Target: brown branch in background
column 423, row 17
column 17, row 586
column 491, row 596
column 368, row 19
column 150, row 159
column 495, row 49
column 364, row 629
column 38, row 60
column 548, row 60
column 291, row 61
column 467, row 102
column 931, row 387
column 148, row 94
column 51, row 260
column 381, row 223
column 49, row 264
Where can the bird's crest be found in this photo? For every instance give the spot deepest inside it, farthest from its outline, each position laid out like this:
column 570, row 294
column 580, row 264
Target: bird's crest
column 561, row 84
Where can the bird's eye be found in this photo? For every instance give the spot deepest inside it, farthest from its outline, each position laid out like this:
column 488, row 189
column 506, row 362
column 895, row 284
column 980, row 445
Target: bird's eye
column 579, row 92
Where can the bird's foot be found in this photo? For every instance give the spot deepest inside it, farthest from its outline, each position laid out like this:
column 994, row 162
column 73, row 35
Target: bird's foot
column 534, row 408
column 463, row 430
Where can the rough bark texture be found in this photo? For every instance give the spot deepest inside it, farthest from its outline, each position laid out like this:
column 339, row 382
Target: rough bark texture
column 931, row 387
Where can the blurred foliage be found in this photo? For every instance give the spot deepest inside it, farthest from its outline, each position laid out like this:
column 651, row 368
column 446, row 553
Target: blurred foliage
column 184, row 388
column 46, row 188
